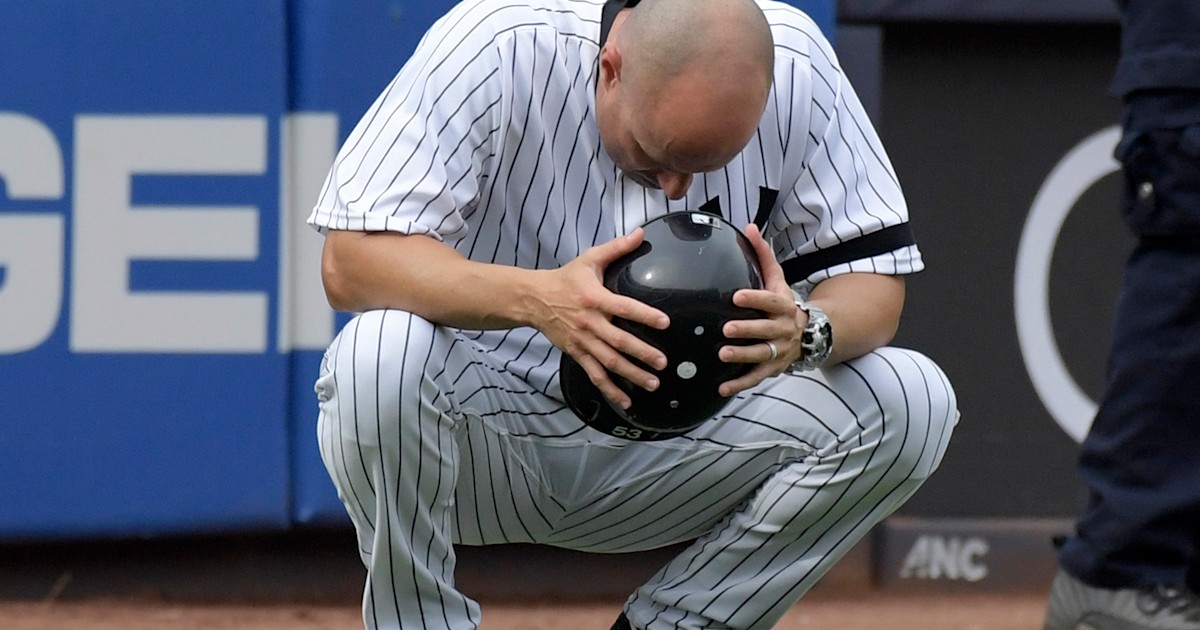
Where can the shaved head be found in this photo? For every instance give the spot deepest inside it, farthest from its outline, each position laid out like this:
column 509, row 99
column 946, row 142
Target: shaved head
column 725, row 42
column 683, row 86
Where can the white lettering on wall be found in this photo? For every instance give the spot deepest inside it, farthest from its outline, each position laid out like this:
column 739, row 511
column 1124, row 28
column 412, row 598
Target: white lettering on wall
column 109, row 232
column 308, row 146
column 951, row 558
column 31, row 244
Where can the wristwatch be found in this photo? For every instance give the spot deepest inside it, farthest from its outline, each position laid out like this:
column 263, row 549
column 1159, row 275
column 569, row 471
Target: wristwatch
column 816, row 342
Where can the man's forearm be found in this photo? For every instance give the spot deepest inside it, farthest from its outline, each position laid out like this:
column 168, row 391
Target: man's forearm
column 864, row 310
column 366, row 271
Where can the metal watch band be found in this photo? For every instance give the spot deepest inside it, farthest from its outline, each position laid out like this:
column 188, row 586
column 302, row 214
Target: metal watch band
column 816, row 342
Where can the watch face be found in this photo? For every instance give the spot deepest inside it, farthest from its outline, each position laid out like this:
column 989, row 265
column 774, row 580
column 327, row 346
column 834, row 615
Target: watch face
column 816, row 341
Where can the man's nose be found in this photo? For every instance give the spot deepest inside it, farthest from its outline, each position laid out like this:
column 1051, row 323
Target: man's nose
column 675, row 185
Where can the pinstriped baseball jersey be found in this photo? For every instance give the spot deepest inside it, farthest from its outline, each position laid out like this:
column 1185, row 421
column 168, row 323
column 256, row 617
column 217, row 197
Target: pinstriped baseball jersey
column 487, row 140
column 433, row 436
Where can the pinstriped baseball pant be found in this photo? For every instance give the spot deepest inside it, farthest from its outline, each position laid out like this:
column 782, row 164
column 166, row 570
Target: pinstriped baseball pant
column 431, row 442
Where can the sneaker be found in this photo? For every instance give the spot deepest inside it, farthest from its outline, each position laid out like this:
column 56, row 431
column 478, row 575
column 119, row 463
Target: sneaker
column 1076, row 606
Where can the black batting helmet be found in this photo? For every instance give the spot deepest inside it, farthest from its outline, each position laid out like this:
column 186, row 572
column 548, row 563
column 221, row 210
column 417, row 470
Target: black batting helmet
column 689, row 266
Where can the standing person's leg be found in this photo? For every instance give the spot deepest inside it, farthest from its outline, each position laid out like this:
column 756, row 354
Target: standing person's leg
column 1141, row 459
column 1137, row 540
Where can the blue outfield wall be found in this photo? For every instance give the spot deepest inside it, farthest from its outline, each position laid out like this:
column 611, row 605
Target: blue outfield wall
column 161, row 314
column 139, row 393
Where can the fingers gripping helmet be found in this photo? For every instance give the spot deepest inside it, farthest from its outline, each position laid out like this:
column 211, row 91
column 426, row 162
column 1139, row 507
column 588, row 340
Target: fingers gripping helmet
column 689, row 266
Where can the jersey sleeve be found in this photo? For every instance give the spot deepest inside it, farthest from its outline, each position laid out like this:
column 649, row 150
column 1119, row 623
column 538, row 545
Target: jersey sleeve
column 414, row 162
column 846, row 211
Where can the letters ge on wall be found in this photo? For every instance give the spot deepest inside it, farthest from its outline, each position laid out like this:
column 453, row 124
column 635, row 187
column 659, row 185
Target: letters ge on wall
column 108, row 232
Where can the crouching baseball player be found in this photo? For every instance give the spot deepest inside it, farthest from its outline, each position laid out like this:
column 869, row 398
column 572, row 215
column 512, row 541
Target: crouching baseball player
column 474, row 218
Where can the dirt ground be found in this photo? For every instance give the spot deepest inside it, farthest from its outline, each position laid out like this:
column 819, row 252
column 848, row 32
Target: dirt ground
column 876, row 612
column 311, row 581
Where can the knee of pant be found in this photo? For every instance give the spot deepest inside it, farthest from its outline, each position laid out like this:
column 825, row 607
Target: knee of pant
column 394, row 335
column 377, row 353
column 919, row 410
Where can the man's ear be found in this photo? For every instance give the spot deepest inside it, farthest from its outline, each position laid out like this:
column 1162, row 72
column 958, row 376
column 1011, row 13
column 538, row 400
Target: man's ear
column 610, row 65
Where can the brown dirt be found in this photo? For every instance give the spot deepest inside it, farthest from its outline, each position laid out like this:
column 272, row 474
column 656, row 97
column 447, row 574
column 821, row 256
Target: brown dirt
column 827, row 612
column 314, row 581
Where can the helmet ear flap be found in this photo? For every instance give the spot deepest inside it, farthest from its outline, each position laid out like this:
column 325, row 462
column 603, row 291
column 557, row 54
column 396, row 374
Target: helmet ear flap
column 689, row 266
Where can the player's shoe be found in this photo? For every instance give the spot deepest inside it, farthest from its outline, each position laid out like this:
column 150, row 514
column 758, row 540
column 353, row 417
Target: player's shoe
column 1074, row 605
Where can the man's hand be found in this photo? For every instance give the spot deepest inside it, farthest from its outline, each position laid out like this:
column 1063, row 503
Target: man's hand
column 782, row 326
column 570, row 305
column 864, row 309
column 574, row 310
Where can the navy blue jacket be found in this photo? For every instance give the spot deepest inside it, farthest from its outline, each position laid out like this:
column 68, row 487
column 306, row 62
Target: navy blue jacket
column 1158, row 75
column 1160, row 45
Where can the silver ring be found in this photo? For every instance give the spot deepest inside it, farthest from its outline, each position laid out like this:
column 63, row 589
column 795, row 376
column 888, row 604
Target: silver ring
column 774, row 350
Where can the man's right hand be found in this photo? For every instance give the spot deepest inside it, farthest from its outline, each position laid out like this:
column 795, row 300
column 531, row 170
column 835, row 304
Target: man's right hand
column 575, row 310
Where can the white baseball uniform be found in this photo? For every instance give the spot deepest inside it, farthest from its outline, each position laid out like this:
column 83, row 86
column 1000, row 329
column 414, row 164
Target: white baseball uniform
column 486, row 140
